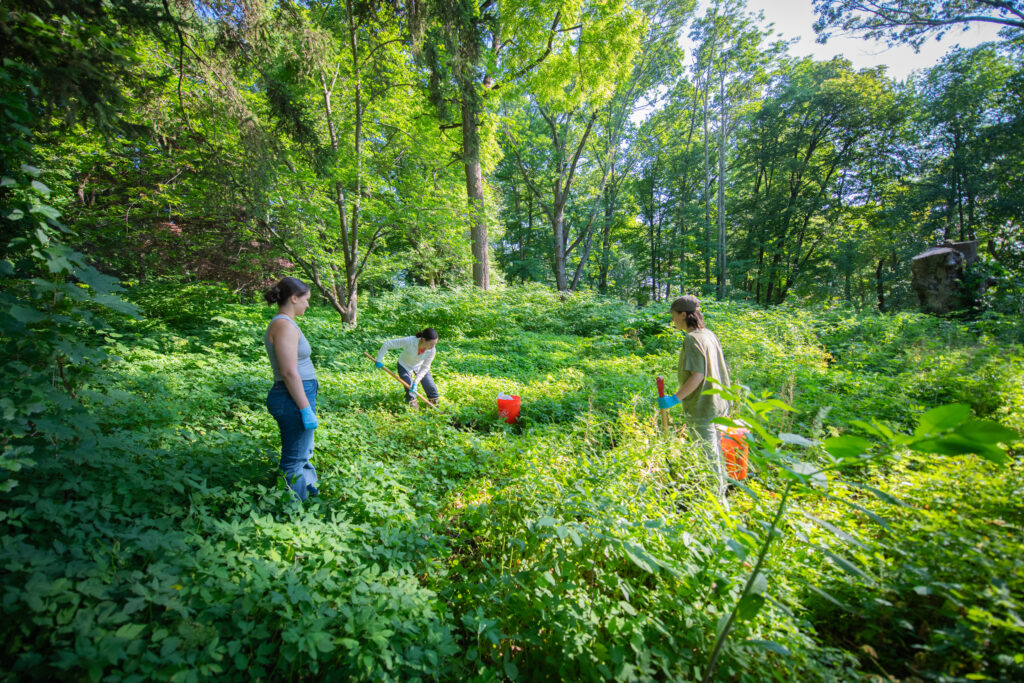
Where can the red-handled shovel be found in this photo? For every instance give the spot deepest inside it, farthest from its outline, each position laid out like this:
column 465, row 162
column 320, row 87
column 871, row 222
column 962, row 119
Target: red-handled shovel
column 664, row 413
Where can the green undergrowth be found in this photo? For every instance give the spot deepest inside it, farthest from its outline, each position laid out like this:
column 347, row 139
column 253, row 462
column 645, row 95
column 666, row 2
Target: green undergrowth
column 578, row 543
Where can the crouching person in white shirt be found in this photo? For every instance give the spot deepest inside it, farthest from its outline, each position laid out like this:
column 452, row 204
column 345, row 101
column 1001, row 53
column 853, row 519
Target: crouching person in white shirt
column 417, row 353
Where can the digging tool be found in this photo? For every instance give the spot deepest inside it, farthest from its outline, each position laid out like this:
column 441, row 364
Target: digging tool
column 664, row 413
column 397, row 378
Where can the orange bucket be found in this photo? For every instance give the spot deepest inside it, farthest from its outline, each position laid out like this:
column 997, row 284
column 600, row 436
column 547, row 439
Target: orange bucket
column 508, row 407
column 735, row 450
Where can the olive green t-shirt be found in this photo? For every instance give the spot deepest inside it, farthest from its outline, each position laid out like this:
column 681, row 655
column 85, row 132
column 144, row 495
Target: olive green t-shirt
column 702, row 353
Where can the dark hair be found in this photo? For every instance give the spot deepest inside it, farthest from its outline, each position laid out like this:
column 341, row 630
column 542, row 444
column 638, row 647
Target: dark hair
column 282, row 291
column 428, row 334
column 695, row 319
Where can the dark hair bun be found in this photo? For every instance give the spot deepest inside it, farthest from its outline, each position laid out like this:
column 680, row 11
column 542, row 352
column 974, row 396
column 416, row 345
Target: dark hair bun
column 273, row 295
column 428, row 334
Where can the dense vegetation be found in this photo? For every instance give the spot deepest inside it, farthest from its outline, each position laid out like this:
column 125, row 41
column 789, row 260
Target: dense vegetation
column 447, row 544
column 163, row 160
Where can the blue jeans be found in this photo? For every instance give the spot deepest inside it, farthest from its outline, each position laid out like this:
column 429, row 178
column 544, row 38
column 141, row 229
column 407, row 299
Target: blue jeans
column 296, row 440
column 426, row 381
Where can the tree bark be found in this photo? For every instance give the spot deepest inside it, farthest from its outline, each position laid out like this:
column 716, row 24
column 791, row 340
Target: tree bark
column 721, row 191
column 558, row 228
column 707, row 198
column 474, row 183
column 606, row 235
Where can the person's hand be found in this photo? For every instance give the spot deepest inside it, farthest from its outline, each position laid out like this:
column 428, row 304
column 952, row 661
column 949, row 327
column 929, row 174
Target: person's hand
column 666, row 402
column 377, row 364
column 412, row 388
column 309, row 418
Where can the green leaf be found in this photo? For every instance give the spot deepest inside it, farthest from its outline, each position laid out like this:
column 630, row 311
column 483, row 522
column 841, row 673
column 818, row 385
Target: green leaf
column 15, row 215
column 814, row 589
column 955, row 445
column 796, row 440
column 769, row 645
column 759, row 584
column 749, row 606
column 834, row 530
column 870, row 429
column 30, row 170
column 942, row 418
column 45, row 210
column 130, row 631
column 846, row 565
column 881, row 495
column 847, row 446
column 7, row 181
column 26, row 315
column 40, row 188
column 985, row 431
column 638, row 557
column 738, row 548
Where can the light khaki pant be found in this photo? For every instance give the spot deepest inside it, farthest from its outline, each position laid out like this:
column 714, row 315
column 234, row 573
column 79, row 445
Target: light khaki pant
column 708, row 436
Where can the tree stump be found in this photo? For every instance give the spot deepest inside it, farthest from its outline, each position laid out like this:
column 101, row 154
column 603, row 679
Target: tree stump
column 939, row 276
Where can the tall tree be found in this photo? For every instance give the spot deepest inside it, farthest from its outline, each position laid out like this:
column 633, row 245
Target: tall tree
column 730, row 58
column 913, row 21
column 795, row 155
column 340, row 149
column 565, row 98
column 962, row 97
column 473, row 47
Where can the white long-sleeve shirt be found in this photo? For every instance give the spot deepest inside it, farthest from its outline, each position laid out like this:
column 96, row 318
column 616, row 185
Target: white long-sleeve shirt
column 416, row 363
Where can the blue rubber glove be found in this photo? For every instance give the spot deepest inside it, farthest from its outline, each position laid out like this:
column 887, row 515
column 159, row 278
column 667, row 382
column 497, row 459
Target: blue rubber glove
column 666, row 402
column 378, row 365
column 412, row 388
column 308, row 418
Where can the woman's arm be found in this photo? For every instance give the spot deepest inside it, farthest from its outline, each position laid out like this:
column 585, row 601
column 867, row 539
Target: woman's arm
column 694, row 382
column 286, row 348
column 387, row 346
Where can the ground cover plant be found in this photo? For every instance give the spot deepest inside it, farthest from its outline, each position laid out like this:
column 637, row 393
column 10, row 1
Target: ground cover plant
column 579, row 543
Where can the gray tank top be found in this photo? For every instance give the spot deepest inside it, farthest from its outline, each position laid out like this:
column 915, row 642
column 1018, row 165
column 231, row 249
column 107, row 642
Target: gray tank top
column 305, row 365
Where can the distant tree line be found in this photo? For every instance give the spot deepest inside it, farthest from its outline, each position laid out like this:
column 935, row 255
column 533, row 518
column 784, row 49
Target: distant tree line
column 367, row 145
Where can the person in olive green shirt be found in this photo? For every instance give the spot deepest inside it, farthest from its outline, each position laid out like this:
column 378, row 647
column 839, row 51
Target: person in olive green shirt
column 700, row 361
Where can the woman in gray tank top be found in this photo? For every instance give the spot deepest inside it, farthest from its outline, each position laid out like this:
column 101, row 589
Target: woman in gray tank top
column 292, row 398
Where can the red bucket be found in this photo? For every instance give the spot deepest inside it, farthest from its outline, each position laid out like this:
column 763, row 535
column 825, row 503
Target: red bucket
column 508, row 407
column 735, row 451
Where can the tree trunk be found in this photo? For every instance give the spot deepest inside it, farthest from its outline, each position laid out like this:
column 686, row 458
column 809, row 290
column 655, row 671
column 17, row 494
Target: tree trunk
column 474, row 183
column 879, row 288
column 707, row 199
column 558, row 228
column 721, row 191
column 351, row 314
column 606, row 233
column 529, row 232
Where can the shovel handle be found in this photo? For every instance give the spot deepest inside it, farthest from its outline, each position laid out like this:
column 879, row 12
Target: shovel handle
column 397, row 378
column 664, row 413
